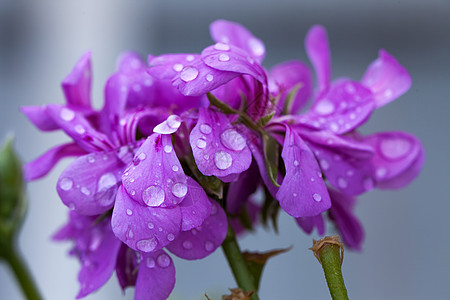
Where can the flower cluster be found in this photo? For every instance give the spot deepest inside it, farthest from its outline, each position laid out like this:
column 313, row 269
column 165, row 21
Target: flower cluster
column 185, row 140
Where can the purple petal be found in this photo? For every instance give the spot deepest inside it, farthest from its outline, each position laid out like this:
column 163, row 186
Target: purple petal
column 253, row 211
column 227, row 32
column 386, row 78
column 77, row 85
column 156, row 277
column 233, row 59
column 218, row 148
column 144, row 228
column 318, row 51
column 89, row 184
column 99, row 260
column 286, row 76
column 349, row 226
column 169, row 65
column 398, row 158
column 240, row 190
column 195, row 207
column 343, row 108
column 302, row 192
column 126, row 267
column 156, row 178
column 309, row 223
column 39, row 117
column 45, row 163
column 202, row 241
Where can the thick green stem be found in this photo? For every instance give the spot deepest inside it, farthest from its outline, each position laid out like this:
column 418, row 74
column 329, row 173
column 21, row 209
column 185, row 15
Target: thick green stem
column 329, row 252
column 238, row 265
column 22, row 274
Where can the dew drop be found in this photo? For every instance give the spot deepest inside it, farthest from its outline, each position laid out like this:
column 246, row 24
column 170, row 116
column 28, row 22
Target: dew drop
column 142, row 156
column 317, row 197
column 381, row 172
column 150, row 263
column 233, row 140
column 388, row 93
column 177, row 67
column 175, row 168
column 187, row 245
column 294, row 194
column 324, row 107
column 395, row 148
column 67, row 114
column 206, row 156
column 147, row 245
column 201, row 144
column 223, row 160
column 170, row 237
column 160, row 229
column 209, row 77
column 106, row 182
column 190, row 57
column 130, row 234
column 153, row 196
column 342, row 183
column 85, row 191
column 224, row 57
column 324, row 164
column 179, row 189
column 205, row 128
column 189, row 74
column 334, row 127
column 352, row 116
column 209, row 246
column 66, row 184
column 150, row 225
column 174, row 121
column 168, row 148
column 80, row 129
column 349, row 173
column 222, row 47
column 312, row 179
column 133, row 192
column 131, row 179
column 91, row 159
column 129, row 212
column 296, row 163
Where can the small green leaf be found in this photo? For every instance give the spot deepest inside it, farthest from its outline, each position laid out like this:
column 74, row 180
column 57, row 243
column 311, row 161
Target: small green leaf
column 225, row 108
column 264, row 120
column 271, row 156
column 290, row 98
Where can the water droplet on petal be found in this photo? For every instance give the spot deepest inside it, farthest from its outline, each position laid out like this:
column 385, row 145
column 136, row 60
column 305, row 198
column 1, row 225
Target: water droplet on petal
column 147, row 245
column 150, row 225
column 201, row 144
column 342, row 183
column 352, row 116
column 190, row 57
column 224, row 57
column 67, row 114
column 209, row 77
column 334, row 127
column 256, row 46
column 85, row 191
column 80, row 129
column 189, row 74
column 388, row 93
column 177, row 67
column 91, row 159
column 106, row 182
column 233, row 140
column 130, row 234
column 223, row 160
column 209, row 246
column 129, row 212
column 349, row 173
column 168, row 148
column 324, row 164
column 205, row 128
column 179, row 189
column 175, row 168
column 324, row 107
column 142, row 156
column 170, row 237
column 221, row 47
column 187, row 245
column 381, row 172
column 131, row 179
column 174, row 121
column 317, row 197
column 153, row 196
column 150, row 263
column 296, row 163
column 294, row 194
column 395, row 148
column 66, row 184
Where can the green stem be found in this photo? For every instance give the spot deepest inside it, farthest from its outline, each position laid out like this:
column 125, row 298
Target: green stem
column 22, row 274
column 330, row 257
column 238, row 265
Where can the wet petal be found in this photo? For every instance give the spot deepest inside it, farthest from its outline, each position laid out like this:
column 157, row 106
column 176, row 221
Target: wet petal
column 144, row 228
column 156, row 178
column 218, row 147
column 89, row 184
column 202, row 241
column 170, row 65
column 39, row 117
column 347, row 105
column 309, row 223
column 45, row 163
column 286, row 76
column 302, row 192
column 168, row 126
column 398, row 158
column 195, row 207
column 226, row 32
column 77, row 85
column 156, row 276
column 386, row 78
column 348, row 224
column 126, row 267
column 318, row 51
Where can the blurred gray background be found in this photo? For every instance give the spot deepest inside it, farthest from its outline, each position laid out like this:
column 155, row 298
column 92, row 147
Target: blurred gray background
column 406, row 254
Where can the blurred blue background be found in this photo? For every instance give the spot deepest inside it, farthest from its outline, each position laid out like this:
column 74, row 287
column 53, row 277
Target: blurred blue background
column 406, row 254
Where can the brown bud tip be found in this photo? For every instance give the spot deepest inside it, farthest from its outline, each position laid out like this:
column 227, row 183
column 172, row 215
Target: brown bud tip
column 319, row 245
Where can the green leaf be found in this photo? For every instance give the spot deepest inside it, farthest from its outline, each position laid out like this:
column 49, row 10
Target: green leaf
column 271, row 156
column 290, row 97
column 225, row 108
column 256, row 261
column 270, row 211
column 264, row 120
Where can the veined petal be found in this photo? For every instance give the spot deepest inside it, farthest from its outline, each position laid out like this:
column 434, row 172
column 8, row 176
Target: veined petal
column 398, row 158
column 309, row 223
column 156, row 178
column 156, row 276
column 302, row 192
column 39, row 117
column 226, row 32
column 386, row 78
column 195, row 207
column 318, row 50
column 144, row 228
column 45, row 163
column 77, row 85
column 89, row 184
column 203, row 240
column 218, row 147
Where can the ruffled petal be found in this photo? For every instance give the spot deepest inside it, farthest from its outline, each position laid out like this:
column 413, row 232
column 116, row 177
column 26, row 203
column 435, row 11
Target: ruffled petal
column 42, row 165
column 202, row 241
column 302, row 192
column 309, row 223
column 398, row 158
column 77, row 85
column 231, row 33
column 155, row 178
column 318, row 50
column 386, row 78
column 89, row 184
column 144, row 228
column 348, row 224
column 285, row 77
column 218, row 148
column 39, row 117
column 195, row 207
column 156, row 276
